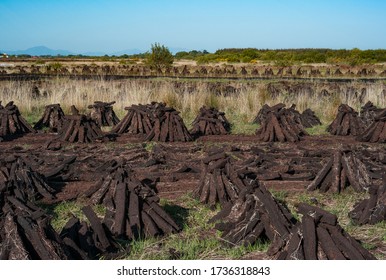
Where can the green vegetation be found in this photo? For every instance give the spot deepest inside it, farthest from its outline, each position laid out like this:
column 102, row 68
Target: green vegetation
column 318, row 130
column 159, row 57
column 287, row 57
column 198, row 239
column 56, row 65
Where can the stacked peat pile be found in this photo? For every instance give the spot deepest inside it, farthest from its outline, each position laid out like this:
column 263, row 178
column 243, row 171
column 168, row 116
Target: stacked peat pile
column 88, row 241
column 318, row 237
column 11, row 121
column 138, row 120
column 368, row 113
column 342, row 169
column 210, row 121
column 281, row 124
column 220, row 181
column 26, row 233
column 346, row 122
column 80, row 128
column 103, row 113
column 133, row 209
column 18, row 179
column 373, row 209
column 168, row 126
column 309, row 119
column 254, row 216
column 53, row 118
column 263, row 112
column 376, row 132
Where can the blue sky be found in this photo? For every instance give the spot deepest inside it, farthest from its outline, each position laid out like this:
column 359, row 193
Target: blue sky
column 109, row 26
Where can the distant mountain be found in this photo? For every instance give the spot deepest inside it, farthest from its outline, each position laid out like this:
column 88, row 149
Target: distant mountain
column 40, row 50
column 43, row 50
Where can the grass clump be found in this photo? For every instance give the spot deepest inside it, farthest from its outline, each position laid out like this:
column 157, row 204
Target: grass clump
column 198, row 239
column 318, row 130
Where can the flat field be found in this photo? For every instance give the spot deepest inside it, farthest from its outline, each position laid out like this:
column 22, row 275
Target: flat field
column 174, row 169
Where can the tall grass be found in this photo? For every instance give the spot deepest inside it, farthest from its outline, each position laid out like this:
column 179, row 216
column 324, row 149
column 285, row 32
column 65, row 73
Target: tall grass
column 240, row 107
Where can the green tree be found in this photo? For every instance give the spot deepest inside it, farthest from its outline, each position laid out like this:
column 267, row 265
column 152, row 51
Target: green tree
column 160, row 56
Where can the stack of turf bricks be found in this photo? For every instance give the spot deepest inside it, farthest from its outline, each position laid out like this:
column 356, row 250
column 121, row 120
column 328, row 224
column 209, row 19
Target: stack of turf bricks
column 133, row 209
column 371, row 210
column 210, row 121
column 368, row 113
column 256, row 216
column 155, row 121
column 103, row 114
column 281, row 124
column 344, row 168
column 11, row 122
column 80, row 128
column 168, row 126
column 53, row 118
column 318, row 237
column 220, row 181
column 308, row 118
column 346, row 122
column 138, row 120
column 376, row 132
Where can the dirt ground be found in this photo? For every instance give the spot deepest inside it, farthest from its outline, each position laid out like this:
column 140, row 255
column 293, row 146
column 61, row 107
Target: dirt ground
column 174, row 155
column 174, row 169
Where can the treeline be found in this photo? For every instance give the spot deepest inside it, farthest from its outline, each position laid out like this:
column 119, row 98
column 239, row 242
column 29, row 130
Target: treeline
column 280, row 57
column 287, row 57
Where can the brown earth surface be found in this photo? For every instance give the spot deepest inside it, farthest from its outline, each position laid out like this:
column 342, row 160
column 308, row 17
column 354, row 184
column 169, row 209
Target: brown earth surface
column 173, row 169
column 172, row 185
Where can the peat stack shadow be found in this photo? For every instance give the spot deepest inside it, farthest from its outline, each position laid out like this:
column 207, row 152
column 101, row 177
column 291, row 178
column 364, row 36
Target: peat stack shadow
column 373, row 209
column 255, row 216
column 346, row 122
column 168, row 126
column 376, row 132
column 342, row 169
column 220, row 182
column 283, row 125
column 11, row 122
column 368, row 113
column 103, row 114
column 88, row 241
column 318, row 237
column 138, row 120
column 133, row 209
column 309, row 119
column 18, row 179
column 80, row 128
column 210, row 121
column 53, row 118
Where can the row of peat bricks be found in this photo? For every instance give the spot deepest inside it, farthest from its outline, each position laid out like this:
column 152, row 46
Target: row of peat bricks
column 288, row 125
column 196, row 71
column 157, row 122
column 249, row 212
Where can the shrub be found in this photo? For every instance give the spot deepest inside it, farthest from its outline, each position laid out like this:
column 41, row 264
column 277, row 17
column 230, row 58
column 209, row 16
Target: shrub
column 160, row 56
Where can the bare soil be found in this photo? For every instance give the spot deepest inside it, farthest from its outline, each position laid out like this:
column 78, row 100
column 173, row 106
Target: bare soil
column 171, row 168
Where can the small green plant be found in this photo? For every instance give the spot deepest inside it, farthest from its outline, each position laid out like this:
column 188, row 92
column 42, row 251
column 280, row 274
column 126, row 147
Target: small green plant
column 56, row 66
column 317, row 130
column 40, row 62
column 149, row 146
